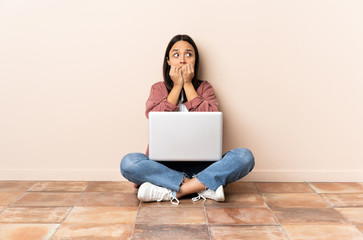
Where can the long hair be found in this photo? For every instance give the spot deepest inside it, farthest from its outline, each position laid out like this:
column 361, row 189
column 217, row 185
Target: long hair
column 166, row 68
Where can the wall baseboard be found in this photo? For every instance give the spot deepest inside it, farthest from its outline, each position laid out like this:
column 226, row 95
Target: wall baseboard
column 304, row 176
column 115, row 175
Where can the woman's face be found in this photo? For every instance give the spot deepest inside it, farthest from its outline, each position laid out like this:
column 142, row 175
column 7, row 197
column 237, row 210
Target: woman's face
column 181, row 53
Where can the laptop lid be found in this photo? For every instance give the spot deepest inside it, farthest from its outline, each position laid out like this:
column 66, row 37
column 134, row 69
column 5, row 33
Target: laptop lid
column 185, row 136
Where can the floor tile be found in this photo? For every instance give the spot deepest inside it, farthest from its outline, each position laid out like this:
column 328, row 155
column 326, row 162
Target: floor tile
column 34, row 215
column 238, row 200
column 247, row 216
column 344, row 199
column 171, row 231
column 41, row 199
column 8, row 197
column 109, row 210
column 27, row 231
column 238, row 232
column 355, row 215
column 15, row 186
column 184, row 202
column 116, row 199
column 322, row 232
column 283, row 187
column 295, row 200
column 59, row 186
column 240, row 187
column 345, row 187
column 171, row 215
column 111, row 187
column 308, row 216
column 93, row 231
column 102, row 215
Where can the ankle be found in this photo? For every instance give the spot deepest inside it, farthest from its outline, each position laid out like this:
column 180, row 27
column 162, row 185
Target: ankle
column 185, row 180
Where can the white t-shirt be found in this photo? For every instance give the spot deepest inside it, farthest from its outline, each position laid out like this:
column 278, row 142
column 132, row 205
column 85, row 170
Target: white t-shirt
column 182, row 107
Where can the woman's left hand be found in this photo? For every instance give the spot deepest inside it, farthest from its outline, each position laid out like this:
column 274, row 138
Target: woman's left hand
column 188, row 72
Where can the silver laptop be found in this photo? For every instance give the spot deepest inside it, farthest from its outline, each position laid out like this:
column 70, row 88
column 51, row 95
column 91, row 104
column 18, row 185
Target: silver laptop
column 185, row 136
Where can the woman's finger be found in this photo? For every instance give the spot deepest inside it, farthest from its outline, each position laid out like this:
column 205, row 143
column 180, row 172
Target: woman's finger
column 191, row 67
column 180, row 71
column 185, row 69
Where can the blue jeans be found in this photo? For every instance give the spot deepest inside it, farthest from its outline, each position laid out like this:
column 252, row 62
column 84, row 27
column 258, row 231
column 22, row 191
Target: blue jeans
column 235, row 164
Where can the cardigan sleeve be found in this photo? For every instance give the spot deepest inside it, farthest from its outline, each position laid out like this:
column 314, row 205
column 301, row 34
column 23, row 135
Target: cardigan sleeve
column 157, row 101
column 206, row 100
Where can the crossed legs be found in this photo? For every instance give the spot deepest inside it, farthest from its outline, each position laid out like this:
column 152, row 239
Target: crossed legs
column 137, row 168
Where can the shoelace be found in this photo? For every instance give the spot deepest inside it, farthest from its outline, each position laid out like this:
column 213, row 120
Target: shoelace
column 173, row 199
column 176, row 200
column 195, row 199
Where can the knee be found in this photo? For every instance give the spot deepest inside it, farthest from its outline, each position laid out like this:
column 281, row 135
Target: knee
column 245, row 158
column 129, row 163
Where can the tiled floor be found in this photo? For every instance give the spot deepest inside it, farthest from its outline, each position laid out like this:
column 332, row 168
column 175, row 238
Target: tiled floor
column 111, row 210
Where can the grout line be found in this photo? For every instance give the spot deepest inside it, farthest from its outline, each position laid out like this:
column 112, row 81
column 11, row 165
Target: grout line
column 137, row 214
column 331, row 204
column 311, row 186
column 20, row 196
column 268, row 207
column 356, row 226
column 206, row 220
column 326, row 200
column 345, row 218
column 36, row 182
column 70, row 210
column 89, row 184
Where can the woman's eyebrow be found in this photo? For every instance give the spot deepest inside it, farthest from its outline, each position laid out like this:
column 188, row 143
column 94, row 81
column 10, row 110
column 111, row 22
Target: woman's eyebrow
column 188, row 50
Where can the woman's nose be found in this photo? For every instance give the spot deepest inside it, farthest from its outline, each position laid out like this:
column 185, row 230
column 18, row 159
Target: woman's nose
column 182, row 59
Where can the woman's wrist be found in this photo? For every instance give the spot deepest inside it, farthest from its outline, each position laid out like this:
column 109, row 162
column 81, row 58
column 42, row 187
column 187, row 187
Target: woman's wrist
column 188, row 85
column 174, row 94
column 178, row 87
column 190, row 91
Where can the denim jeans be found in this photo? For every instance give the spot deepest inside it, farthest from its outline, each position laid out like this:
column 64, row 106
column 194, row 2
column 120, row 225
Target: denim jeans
column 235, row 164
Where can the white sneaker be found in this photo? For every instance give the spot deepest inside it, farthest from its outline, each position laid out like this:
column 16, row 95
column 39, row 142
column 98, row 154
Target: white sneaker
column 149, row 192
column 217, row 195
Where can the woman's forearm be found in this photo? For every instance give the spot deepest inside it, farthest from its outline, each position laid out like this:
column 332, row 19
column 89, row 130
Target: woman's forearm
column 190, row 91
column 174, row 94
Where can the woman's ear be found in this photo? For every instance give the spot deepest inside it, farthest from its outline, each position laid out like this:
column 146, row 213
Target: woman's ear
column 167, row 60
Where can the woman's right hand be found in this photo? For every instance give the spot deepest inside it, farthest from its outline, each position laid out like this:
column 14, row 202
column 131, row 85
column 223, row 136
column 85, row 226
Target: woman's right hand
column 176, row 76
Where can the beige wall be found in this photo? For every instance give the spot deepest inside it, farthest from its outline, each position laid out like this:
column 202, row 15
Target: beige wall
column 75, row 75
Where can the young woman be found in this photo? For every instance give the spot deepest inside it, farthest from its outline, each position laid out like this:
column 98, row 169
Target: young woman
column 183, row 91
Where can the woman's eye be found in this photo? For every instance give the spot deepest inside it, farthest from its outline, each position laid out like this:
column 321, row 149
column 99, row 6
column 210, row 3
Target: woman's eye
column 176, row 55
column 189, row 54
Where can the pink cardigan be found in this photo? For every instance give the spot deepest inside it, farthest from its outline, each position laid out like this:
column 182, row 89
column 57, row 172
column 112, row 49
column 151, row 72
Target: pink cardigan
column 205, row 102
